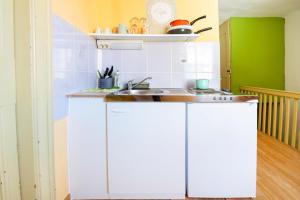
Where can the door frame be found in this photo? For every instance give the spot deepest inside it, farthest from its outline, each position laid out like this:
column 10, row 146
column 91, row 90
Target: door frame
column 225, row 29
column 41, row 83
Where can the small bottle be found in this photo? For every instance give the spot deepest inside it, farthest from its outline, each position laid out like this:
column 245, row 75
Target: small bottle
column 116, row 79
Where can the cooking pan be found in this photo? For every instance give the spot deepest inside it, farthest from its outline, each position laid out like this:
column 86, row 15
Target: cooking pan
column 181, row 26
column 178, row 30
column 180, row 22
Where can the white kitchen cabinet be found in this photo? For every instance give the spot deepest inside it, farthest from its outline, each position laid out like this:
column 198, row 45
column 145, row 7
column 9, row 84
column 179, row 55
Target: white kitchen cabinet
column 87, row 148
column 146, row 150
column 222, row 140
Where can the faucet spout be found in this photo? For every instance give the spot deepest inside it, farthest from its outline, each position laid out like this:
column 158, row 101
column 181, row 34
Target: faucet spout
column 131, row 85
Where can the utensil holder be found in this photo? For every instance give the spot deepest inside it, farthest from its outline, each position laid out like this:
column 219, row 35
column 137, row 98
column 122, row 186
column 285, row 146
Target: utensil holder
column 106, row 83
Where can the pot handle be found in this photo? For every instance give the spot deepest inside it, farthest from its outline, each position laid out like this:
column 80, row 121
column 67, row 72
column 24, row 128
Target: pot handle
column 202, row 30
column 195, row 20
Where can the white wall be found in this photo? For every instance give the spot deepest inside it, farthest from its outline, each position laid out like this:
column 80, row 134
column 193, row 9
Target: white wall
column 292, row 49
column 292, row 55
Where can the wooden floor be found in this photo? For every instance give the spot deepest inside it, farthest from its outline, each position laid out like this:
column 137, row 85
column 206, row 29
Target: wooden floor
column 278, row 170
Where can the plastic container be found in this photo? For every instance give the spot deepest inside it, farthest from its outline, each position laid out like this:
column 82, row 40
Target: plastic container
column 117, row 79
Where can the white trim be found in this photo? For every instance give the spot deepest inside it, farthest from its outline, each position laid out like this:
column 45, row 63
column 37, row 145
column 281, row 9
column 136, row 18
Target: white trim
column 41, row 40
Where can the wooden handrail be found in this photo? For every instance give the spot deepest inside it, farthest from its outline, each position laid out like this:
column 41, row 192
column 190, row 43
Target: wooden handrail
column 277, row 113
column 280, row 93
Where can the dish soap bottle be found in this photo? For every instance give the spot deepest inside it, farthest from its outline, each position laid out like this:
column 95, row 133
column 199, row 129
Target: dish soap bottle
column 117, row 79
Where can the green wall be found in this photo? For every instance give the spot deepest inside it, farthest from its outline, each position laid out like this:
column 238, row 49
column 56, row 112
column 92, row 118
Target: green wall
column 257, row 52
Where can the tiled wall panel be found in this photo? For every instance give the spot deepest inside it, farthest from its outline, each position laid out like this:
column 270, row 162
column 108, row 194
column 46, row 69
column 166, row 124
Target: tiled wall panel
column 171, row 65
column 74, row 63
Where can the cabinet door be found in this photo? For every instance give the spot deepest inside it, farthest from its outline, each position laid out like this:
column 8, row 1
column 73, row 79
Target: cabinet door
column 146, row 150
column 222, row 150
column 87, row 148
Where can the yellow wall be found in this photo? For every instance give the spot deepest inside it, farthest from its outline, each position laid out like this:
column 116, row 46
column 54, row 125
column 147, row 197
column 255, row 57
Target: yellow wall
column 85, row 14
column 89, row 14
column 61, row 159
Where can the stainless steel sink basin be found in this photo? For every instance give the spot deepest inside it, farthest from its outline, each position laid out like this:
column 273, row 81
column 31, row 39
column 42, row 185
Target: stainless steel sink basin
column 153, row 92
column 141, row 92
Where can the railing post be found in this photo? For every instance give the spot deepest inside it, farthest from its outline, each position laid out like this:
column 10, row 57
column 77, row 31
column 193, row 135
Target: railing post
column 264, row 114
column 270, row 114
column 259, row 111
column 280, row 119
column 295, row 120
column 274, row 117
column 287, row 120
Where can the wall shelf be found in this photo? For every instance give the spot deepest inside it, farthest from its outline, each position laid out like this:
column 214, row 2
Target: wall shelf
column 147, row 37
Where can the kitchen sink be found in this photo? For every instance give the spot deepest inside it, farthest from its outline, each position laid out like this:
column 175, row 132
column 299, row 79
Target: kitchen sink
column 153, row 92
column 141, row 92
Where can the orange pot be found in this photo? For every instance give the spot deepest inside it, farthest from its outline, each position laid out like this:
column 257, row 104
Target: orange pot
column 180, row 22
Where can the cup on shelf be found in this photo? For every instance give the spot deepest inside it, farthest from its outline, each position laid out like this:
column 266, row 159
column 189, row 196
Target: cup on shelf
column 122, row 29
column 99, row 31
column 115, row 30
column 107, row 30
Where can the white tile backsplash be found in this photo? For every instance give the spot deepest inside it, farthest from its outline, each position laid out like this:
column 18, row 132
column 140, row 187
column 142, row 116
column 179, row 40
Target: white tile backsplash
column 74, row 63
column 181, row 60
column 81, row 50
column 62, row 52
column 134, row 61
column 215, row 83
column 159, row 57
column 111, row 58
column 171, row 65
column 183, row 80
column 161, row 80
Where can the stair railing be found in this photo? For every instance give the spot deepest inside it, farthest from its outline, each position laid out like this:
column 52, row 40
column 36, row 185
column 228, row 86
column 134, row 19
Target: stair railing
column 278, row 114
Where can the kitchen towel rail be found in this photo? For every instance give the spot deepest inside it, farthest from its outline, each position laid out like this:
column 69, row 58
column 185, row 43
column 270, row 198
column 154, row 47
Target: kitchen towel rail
column 278, row 114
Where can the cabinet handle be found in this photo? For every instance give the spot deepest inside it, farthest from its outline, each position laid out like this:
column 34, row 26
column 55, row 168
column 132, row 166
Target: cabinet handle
column 120, row 111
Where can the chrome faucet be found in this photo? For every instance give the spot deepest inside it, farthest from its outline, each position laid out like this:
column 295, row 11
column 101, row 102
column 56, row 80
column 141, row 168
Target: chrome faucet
column 131, row 85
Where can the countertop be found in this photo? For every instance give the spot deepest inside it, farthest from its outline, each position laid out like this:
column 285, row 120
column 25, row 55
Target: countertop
column 100, row 93
column 109, row 96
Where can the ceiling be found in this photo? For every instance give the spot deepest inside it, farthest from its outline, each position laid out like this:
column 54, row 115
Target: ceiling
column 256, row 8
